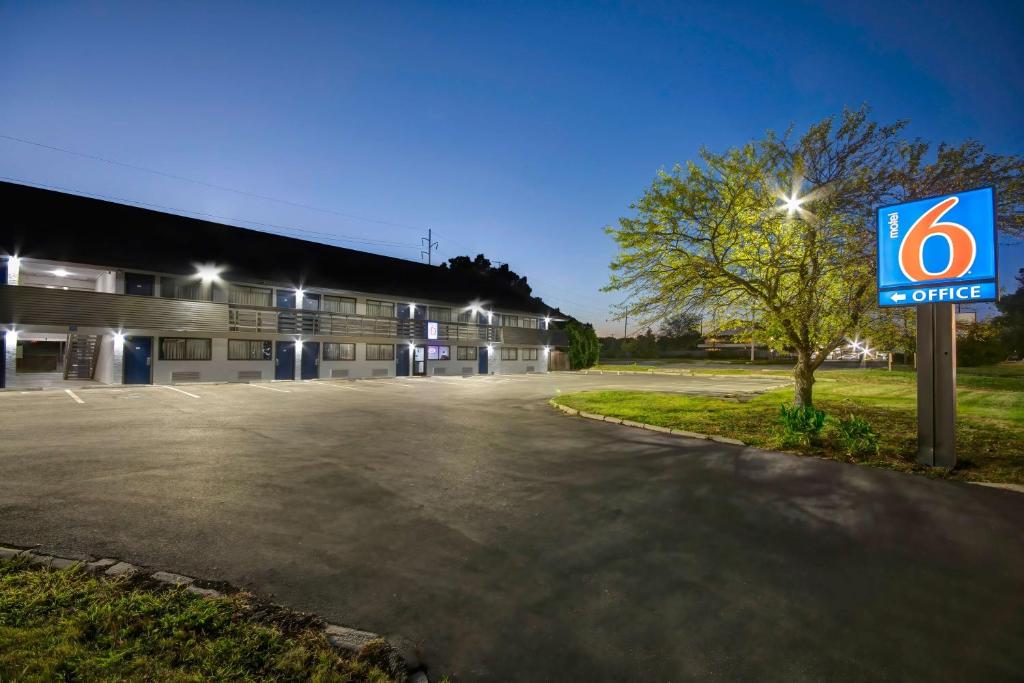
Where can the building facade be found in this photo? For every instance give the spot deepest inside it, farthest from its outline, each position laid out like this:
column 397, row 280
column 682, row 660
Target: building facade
column 116, row 294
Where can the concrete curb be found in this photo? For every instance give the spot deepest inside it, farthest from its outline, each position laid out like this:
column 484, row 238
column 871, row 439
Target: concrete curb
column 402, row 654
column 643, row 425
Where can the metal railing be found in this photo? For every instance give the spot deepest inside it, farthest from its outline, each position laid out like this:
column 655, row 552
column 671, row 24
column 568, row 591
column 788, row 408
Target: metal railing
column 63, row 308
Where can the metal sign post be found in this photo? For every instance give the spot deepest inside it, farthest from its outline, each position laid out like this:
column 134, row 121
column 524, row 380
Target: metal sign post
column 936, row 385
column 914, row 269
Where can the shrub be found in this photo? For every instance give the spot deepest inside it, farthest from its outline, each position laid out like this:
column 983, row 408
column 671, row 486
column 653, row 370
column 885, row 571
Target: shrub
column 855, row 436
column 801, row 424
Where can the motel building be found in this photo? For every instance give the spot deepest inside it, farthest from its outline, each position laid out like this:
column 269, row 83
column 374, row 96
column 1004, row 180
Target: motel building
column 101, row 292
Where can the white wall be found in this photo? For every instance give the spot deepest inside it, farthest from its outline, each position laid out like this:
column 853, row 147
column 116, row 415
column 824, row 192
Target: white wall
column 218, row 369
column 518, row 367
column 105, row 362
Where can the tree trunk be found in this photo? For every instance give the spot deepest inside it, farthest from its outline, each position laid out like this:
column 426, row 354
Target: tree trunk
column 804, row 376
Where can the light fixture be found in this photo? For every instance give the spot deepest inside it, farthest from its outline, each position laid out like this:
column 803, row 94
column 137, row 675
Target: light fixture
column 792, row 203
column 11, row 337
column 300, row 292
column 14, row 261
column 119, row 337
column 208, row 273
column 60, row 272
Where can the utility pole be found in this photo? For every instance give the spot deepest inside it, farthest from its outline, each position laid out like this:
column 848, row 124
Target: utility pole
column 625, row 322
column 430, row 244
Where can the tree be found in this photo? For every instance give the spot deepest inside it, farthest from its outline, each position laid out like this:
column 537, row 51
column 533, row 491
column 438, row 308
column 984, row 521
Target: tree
column 482, row 267
column 1011, row 320
column 785, row 228
column 584, row 349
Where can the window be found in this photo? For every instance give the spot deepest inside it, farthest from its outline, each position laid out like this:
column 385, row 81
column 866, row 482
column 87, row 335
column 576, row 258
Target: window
column 333, row 351
column 466, row 316
column 250, row 296
column 530, row 322
column 178, row 348
column 439, row 353
column 465, row 353
column 249, row 349
column 380, row 309
column 529, row 354
column 178, row 288
column 380, row 352
column 440, row 314
column 509, row 353
column 339, row 304
column 510, row 320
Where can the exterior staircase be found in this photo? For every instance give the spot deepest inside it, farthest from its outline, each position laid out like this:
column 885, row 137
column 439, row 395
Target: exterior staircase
column 80, row 356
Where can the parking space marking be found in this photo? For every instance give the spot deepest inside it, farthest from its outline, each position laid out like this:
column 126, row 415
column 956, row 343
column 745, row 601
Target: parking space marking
column 73, row 395
column 260, row 386
column 340, row 387
column 180, row 391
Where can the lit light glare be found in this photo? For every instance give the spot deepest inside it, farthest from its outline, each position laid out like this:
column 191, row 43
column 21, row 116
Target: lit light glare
column 60, row 272
column 208, row 273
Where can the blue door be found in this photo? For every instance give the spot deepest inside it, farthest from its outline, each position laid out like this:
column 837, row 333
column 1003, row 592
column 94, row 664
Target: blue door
column 481, row 355
column 401, row 360
column 310, row 360
column 138, row 360
column 284, row 360
column 139, row 284
column 286, row 322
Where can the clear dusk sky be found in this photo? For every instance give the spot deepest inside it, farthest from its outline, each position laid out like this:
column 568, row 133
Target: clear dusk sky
column 514, row 129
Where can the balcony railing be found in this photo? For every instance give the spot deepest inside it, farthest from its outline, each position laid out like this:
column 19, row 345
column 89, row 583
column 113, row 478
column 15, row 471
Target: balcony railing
column 63, row 308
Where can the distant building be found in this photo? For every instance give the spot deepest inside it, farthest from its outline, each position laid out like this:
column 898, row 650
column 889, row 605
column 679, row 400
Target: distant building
column 119, row 294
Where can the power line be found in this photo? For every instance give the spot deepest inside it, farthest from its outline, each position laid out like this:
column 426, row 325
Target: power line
column 328, row 236
column 225, row 188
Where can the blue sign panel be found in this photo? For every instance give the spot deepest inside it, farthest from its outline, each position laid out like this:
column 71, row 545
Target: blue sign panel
column 938, row 250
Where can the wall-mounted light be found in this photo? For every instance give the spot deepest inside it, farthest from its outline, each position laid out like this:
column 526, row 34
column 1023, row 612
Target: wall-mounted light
column 11, row 337
column 300, row 292
column 208, row 273
column 119, row 337
column 60, row 272
column 14, row 261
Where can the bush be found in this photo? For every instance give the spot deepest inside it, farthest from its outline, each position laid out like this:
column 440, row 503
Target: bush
column 855, row 436
column 584, row 349
column 801, row 424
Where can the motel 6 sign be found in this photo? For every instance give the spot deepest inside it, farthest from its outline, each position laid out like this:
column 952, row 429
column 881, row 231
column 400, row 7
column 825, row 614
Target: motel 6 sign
column 938, row 250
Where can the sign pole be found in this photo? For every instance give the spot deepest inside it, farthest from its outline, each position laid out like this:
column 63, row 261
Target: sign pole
column 936, row 385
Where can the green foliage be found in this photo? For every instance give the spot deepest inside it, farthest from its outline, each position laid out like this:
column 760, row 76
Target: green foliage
column 855, row 436
column 1011, row 320
column 584, row 349
column 71, row 625
column 981, row 345
column 717, row 234
column 801, row 424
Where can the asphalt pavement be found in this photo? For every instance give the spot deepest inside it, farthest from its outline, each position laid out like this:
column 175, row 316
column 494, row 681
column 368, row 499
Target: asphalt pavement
column 513, row 542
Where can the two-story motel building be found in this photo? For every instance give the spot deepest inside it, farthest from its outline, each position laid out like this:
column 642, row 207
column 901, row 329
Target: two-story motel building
column 111, row 293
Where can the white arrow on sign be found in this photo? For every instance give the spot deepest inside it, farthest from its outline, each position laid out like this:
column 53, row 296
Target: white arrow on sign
column 897, row 297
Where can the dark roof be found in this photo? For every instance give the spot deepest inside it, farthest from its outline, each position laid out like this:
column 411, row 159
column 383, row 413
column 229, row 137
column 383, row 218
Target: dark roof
column 45, row 224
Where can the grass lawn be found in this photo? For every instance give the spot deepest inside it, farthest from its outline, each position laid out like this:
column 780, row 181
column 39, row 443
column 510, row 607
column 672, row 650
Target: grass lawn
column 72, row 625
column 990, row 417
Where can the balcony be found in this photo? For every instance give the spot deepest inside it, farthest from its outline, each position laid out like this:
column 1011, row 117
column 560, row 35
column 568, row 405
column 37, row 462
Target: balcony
column 60, row 309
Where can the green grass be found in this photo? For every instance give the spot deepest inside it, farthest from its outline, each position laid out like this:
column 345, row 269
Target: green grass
column 71, row 625
column 990, row 417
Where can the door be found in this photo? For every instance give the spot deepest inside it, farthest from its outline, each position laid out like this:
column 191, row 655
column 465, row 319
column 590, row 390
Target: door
column 284, row 360
column 310, row 360
column 138, row 360
column 401, row 360
column 419, row 361
column 309, row 322
column 481, row 354
column 286, row 321
column 139, row 284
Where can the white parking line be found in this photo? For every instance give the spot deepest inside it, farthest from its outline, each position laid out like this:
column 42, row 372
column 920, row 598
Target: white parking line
column 180, row 391
column 342, row 387
column 260, row 386
column 73, row 395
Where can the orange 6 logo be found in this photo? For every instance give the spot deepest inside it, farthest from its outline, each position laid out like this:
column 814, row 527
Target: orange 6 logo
column 962, row 247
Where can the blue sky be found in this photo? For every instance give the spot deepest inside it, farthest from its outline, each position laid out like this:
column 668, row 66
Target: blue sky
column 514, row 129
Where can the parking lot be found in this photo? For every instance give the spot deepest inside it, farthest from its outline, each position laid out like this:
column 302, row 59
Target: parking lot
column 515, row 543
